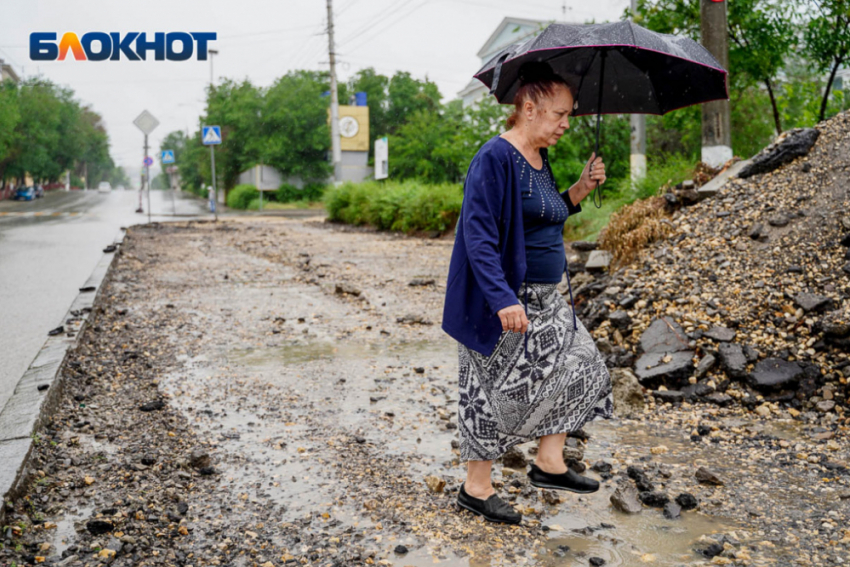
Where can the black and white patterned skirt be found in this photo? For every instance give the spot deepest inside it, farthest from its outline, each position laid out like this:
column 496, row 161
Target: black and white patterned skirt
column 510, row 398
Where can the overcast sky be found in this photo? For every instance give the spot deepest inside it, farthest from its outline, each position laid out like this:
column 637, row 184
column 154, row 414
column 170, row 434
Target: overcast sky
column 261, row 40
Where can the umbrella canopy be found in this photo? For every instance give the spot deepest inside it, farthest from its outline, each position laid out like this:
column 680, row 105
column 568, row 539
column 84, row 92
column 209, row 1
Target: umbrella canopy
column 619, row 68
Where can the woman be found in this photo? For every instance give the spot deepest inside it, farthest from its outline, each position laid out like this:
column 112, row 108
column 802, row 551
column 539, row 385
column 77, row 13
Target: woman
column 528, row 368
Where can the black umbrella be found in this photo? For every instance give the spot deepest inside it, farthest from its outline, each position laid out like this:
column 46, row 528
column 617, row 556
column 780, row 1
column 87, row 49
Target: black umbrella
column 620, row 68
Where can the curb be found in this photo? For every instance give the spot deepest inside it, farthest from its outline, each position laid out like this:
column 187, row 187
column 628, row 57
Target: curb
column 711, row 188
column 39, row 389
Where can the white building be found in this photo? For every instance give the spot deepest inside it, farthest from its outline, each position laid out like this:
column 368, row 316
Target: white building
column 7, row 72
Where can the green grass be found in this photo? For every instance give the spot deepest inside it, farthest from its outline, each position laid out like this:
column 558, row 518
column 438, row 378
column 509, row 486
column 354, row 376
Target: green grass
column 275, row 206
column 617, row 193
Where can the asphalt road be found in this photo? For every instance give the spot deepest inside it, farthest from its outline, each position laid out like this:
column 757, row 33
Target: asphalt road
column 48, row 249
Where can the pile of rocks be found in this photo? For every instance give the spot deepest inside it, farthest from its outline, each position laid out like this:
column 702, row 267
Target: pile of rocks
column 748, row 300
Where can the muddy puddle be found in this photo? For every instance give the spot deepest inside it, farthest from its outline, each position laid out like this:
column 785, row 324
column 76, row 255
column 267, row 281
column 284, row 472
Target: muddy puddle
column 279, row 408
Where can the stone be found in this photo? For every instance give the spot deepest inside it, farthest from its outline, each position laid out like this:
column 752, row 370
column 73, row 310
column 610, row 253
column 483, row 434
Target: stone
column 625, row 499
column 705, row 476
column 778, row 220
column 652, row 370
column 718, row 398
column 825, row 406
column 435, row 483
column 811, row 301
column 687, row 501
column 722, row 334
column 788, row 146
column 836, row 323
column 775, row 374
column 671, row 396
column 732, row 360
column 152, row 406
column 99, row 527
column 672, row 511
column 628, row 393
column 663, row 335
column 584, row 245
column 199, row 459
column 421, row 281
column 514, row 458
column 620, row 319
column 756, row 231
column 642, row 481
column 345, row 288
column 654, row 499
column 598, row 261
column 705, row 364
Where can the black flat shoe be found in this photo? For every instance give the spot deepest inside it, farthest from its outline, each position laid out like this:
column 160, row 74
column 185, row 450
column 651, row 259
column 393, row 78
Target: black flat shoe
column 569, row 480
column 494, row 509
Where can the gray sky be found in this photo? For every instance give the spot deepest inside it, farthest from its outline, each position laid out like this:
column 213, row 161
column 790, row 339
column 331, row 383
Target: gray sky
column 260, row 40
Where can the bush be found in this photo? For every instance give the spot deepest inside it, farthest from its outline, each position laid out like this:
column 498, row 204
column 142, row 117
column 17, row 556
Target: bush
column 402, row 206
column 633, row 227
column 241, row 196
column 288, row 193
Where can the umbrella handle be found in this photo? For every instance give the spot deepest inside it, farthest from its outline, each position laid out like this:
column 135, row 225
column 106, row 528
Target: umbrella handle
column 598, row 190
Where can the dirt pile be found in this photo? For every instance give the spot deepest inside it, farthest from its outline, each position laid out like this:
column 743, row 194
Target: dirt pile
column 749, row 292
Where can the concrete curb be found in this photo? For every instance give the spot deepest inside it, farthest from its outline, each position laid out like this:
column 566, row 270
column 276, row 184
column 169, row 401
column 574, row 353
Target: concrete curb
column 712, row 187
column 40, row 388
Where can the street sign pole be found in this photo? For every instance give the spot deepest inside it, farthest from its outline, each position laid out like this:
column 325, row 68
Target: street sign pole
column 146, row 123
column 214, row 191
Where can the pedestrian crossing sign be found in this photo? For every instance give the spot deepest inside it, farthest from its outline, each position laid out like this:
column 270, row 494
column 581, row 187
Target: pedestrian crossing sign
column 211, row 135
column 167, row 156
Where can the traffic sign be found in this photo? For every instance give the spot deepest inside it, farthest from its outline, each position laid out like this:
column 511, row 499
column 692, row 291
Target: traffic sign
column 167, row 156
column 211, row 135
column 148, row 161
column 146, row 122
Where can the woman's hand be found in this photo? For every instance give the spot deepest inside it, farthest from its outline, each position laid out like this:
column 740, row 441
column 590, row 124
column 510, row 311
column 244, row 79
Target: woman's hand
column 594, row 170
column 513, row 318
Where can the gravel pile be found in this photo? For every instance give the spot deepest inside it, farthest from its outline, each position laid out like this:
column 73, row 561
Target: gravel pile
column 748, row 301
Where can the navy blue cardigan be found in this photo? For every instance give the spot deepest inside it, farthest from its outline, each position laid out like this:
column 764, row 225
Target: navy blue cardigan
column 488, row 261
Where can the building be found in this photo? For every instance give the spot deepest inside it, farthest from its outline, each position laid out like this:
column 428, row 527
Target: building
column 510, row 30
column 7, row 72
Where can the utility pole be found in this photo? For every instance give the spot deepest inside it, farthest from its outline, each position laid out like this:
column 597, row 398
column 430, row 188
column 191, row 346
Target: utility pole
column 638, row 136
column 335, row 145
column 716, row 133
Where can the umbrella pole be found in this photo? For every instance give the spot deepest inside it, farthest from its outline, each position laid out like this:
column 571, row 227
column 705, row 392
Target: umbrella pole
column 597, row 189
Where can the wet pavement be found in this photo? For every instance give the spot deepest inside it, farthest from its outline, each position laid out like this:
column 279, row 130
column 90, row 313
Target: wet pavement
column 48, row 248
column 309, row 400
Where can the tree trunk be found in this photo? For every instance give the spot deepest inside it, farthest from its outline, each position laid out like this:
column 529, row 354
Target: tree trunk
column 776, row 120
column 838, row 61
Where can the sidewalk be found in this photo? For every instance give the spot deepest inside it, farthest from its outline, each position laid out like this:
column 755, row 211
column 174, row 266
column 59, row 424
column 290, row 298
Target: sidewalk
column 279, row 392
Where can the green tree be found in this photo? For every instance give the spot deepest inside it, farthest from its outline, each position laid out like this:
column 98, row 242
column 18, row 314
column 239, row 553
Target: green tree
column 827, row 41
column 236, row 107
column 10, row 117
column 294, row 136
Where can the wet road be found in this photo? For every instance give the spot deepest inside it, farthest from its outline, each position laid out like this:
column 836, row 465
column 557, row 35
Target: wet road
column 48, row 248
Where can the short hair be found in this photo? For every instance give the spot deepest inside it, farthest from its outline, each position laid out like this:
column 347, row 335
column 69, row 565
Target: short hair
column 537, row 81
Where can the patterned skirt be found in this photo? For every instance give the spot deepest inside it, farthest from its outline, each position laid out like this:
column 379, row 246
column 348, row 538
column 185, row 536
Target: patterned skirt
column 510, row 398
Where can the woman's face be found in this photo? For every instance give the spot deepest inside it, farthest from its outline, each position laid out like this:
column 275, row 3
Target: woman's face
column 548, row 121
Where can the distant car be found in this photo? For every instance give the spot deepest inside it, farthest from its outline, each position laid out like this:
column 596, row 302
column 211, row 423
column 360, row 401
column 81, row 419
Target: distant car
column 39, row 191
column 25, row 194
column 104, row 187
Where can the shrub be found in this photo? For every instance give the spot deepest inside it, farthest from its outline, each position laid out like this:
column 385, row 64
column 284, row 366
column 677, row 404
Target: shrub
column 402, row 206
column 287, row 193
column 633, row 227
column 241, row 196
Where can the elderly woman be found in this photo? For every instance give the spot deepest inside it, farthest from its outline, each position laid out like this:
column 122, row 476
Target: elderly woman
column 528, row 368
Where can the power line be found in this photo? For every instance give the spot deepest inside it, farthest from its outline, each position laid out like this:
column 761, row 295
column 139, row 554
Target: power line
column 373, row 23
column 378, row 31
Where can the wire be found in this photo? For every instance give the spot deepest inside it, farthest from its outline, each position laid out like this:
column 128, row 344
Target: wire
column 364, row 39
column 371, row 24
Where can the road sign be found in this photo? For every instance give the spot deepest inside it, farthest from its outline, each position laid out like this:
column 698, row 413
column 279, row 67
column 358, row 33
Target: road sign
column 381, row 158
column 167, row 156
column 172, row 169
column 146, row 122
column 148, row 161
column 211, row 135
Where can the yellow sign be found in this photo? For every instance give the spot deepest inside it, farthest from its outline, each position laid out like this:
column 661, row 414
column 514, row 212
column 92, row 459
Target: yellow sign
column 353, row 128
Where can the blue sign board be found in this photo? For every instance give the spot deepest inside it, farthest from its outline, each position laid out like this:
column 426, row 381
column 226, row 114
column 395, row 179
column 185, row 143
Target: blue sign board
column 211, row 135
column 148, row 161
column 167, row 156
